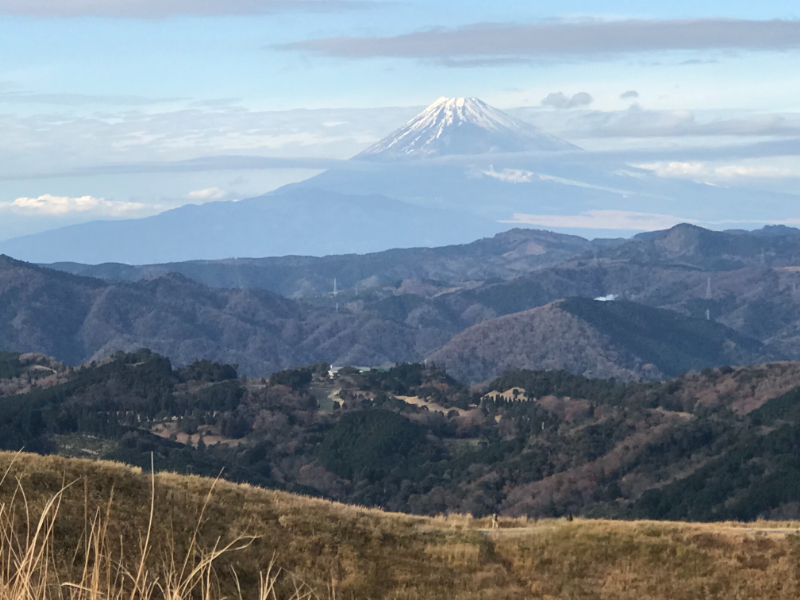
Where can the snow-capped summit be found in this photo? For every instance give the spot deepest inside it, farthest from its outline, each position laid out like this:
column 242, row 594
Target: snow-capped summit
column 462, row 126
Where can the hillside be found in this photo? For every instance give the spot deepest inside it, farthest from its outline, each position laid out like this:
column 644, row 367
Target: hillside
column 618, row 339
column 745, row 280
column 78, row 319
column 716, row 445
column 371, row 554
column 757, row 302
column 396, row 306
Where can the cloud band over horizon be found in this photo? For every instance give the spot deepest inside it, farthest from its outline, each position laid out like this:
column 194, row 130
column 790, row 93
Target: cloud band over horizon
column 563, row 39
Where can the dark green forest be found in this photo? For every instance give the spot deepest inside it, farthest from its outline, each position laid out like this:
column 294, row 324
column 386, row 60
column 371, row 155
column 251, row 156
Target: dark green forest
column 553, row 444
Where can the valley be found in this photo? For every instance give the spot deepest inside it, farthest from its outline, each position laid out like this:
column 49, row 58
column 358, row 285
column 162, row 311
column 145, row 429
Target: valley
column 275, row 324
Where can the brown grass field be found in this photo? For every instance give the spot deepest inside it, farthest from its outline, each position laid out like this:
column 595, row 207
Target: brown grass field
column 85, row 530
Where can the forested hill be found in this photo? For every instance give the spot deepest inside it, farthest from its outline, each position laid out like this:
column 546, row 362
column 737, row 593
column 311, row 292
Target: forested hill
column 617, row 339
column 720, row 444
column 406, row 305
column 79, row 319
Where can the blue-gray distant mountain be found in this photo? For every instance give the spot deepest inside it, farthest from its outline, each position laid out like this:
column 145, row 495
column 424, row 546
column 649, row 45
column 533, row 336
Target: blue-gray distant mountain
column 502, row 257
column 460, row 171
column 287, row 222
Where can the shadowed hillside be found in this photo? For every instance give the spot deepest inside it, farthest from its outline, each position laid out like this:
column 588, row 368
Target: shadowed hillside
column 597, row 339
column 77, row 319
column 404, row 305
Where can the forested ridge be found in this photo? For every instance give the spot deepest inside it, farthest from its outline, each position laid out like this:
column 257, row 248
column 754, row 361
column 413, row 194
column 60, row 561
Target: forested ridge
column 413, row 439
column 522, row 299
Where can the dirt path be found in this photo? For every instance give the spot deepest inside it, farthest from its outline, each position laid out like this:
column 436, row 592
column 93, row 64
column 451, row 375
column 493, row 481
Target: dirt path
column 718, row 528
column 417, row 401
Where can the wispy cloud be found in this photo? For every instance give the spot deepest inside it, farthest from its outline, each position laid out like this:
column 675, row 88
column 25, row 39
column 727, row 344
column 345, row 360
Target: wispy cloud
column 28, row 97
column 58, row 206
column 208, row 194
column 585, row 39
column 560, row 100
column 311, row 139
column 711, row 173
column 133, row 141
column 524, row 176
column 602, row 219
column 637, row 122
column 166, row 8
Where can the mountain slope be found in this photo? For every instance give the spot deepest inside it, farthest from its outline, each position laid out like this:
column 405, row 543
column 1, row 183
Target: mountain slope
column 462, row 126
column 77, row 319
column 475, row 169
column 623, row 340
column 289, row 221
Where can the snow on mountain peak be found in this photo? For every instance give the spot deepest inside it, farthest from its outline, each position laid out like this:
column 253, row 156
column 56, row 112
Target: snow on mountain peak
column 462, row 126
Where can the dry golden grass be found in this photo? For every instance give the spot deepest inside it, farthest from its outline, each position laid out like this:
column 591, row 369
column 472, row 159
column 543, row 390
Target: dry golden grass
column 112, row 532
column 30, row 569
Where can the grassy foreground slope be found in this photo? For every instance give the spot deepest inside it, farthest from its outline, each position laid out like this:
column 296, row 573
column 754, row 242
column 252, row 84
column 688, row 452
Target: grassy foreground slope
column 372, row 554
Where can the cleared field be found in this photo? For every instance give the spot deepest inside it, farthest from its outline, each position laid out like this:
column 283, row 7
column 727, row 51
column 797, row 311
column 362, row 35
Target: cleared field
column 365, row 553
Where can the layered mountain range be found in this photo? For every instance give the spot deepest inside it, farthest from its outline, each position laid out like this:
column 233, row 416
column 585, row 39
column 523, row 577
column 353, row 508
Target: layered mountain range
column 459, row 171
column 653, row 306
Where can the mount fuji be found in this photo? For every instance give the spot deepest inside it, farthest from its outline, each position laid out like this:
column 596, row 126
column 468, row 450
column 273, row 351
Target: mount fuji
column 458, row 171
column 462, row 126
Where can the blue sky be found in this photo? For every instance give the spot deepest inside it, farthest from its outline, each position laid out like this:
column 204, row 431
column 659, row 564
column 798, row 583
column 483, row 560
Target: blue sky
column 85, row 84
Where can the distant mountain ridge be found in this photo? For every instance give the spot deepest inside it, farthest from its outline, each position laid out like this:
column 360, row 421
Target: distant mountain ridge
column 707, row 250
column 503, row 256
column 424, row 297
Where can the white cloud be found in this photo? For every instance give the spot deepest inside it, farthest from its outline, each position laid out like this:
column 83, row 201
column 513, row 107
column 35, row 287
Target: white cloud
column 522, row 176
column 602, row 219
column 629, row 94
column 559, row 100
column 212, row 193
column 710, row 173
column 511, row 175
column 638, row 122
column 58, row 143
column 59, row 206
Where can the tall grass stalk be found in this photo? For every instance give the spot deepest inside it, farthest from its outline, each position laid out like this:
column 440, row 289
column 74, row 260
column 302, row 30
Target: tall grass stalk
column 29, row 569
